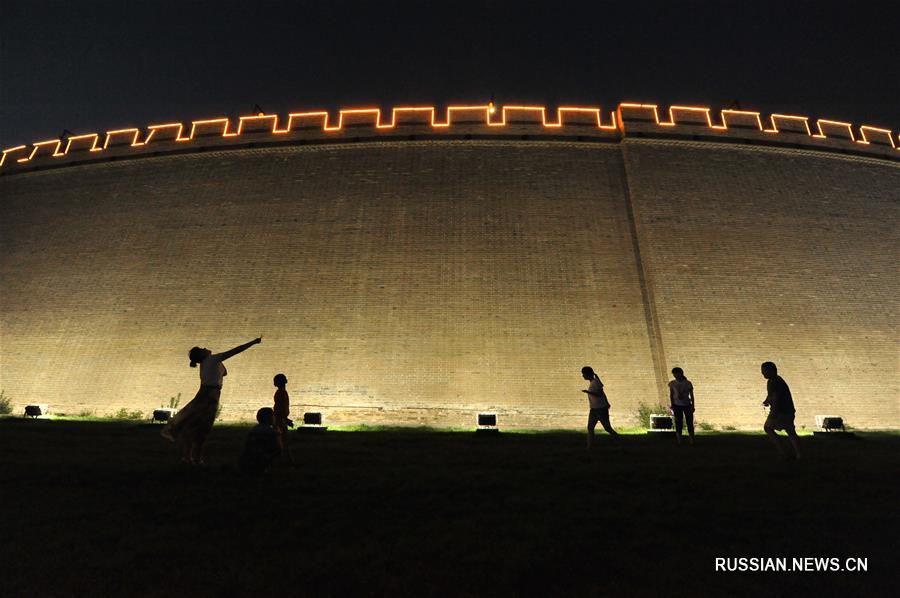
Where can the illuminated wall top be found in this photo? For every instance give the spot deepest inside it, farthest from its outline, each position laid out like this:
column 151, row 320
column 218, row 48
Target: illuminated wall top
column 481, row 121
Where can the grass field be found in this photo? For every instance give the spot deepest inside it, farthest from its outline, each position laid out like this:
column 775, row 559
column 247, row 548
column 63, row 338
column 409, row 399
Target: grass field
column 104, row 509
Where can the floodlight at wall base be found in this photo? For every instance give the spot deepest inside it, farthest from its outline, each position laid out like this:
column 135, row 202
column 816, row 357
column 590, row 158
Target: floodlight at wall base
column 163, row 414
column 661, row 425
column 830, row 425
column 829, row 422
column 661, row 422
column 312, row 423
column 487, row 424
column 39, row 410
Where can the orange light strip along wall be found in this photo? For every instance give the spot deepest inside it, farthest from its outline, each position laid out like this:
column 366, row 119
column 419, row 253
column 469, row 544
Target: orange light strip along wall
column 481, row 114
column 777, row 123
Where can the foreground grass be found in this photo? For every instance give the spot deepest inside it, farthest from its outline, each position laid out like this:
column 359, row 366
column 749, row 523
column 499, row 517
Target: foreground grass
column 103, row 509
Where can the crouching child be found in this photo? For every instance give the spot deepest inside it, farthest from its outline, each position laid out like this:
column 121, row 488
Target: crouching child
column 261, row 447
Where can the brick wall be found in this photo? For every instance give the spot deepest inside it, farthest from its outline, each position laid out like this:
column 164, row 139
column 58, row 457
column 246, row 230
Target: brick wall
column 423, row 281
column 774, row 255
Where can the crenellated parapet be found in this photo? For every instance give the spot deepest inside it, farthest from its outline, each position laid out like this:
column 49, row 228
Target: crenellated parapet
column 744, row 126
column 458, row 122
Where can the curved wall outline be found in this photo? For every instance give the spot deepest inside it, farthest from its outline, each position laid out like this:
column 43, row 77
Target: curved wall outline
column 353, row 124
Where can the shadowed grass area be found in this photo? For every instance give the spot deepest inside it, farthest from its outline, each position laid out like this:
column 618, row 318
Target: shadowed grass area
column 103, row 509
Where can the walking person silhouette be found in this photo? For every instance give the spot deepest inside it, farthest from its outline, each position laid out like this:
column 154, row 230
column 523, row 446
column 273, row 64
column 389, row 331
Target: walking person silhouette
column 781, row 410
column 190, row 426
column 599, row 405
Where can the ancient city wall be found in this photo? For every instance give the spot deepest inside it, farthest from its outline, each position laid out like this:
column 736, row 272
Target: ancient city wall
column 421, row 280
column 456, row 276
column 760, row 254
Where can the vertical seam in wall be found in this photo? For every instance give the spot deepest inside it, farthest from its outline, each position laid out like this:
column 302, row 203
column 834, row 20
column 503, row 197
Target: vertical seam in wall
column 646, row 283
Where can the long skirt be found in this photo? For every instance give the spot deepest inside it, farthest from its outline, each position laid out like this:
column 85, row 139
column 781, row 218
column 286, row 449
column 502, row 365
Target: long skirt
column 194, row 422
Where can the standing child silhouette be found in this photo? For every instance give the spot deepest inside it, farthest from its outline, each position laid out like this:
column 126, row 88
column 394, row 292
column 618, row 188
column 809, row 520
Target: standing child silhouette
column 282, row 410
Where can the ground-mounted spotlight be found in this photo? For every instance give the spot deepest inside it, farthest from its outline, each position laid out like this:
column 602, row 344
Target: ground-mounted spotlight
column 487, row 424
column 312, row 423
column 661, row 425
column 830, row 425
column 39, row 410
column 163, row 414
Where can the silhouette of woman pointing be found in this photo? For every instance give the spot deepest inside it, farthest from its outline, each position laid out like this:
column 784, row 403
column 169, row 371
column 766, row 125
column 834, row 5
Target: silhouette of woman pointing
column 190, row 426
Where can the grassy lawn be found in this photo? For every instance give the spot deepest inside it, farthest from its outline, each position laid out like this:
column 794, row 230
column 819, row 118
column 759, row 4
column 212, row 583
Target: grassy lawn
column 103, row 509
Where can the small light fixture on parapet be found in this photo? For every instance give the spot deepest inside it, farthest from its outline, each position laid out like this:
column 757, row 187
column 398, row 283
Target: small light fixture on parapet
column 38, row 410
column 487, row 424
column 312, row 423
column 661, row 425
column 830, row 425
column 163, row 414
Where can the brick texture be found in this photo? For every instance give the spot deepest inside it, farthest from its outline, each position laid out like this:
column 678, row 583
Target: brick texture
column 422, row 281
column 784, row 256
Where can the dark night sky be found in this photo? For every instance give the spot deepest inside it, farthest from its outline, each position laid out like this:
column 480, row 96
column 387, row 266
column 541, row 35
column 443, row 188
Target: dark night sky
column 91, row 65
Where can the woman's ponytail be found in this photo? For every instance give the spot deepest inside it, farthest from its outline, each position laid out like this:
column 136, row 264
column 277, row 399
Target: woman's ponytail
column 196, row 355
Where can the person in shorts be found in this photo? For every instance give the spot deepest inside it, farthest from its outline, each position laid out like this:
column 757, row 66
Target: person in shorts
column 781, row 410
column 681, row 399
column 599, row 405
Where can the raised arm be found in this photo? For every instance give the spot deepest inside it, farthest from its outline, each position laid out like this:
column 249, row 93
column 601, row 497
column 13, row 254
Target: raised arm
column 239, row 349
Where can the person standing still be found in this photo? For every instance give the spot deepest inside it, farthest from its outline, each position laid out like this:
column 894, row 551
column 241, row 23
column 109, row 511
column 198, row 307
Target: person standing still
column 282, row 411
column 599, row 405
column 681, row 397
